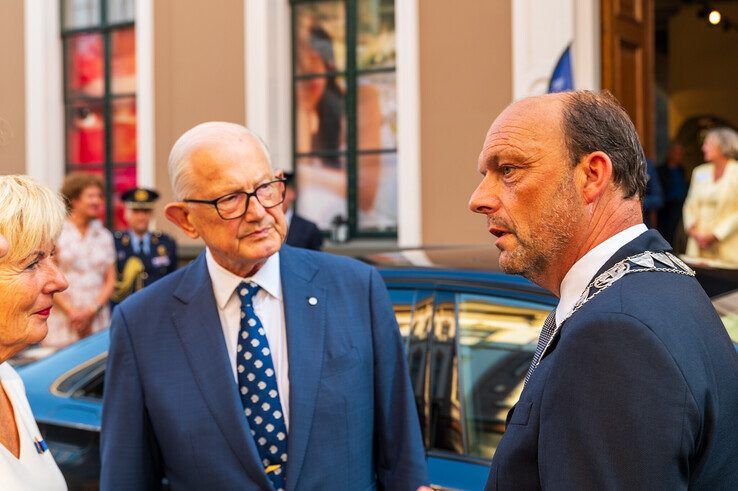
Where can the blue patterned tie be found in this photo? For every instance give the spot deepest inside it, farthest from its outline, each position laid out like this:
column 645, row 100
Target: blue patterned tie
column 547, row 331
column 257, row 383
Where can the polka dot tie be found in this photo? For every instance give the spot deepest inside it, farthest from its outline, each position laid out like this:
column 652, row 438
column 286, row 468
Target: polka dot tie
column 257, row 384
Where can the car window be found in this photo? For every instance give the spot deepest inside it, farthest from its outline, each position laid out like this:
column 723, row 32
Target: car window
column 496, row 341
column 85, row 380
column 403, row 302
column 414, row 313
column 446, row 432
column 93, row 388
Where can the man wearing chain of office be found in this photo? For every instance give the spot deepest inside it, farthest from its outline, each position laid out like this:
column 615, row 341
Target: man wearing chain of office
column 634, row 382
column 143, row 256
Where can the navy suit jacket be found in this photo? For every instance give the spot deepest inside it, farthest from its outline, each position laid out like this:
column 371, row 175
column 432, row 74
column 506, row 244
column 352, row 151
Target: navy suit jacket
column 640, row 391
column 304, row 233
column 172, row 406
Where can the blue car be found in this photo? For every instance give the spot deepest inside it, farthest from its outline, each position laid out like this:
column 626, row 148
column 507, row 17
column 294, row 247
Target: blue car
column 469, row 331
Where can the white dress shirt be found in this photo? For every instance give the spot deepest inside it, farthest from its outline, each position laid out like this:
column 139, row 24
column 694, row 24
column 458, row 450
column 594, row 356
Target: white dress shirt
column 268, row 305
column 583, row 271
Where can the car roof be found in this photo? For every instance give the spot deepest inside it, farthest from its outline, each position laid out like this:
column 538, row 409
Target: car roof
column 472, row 269
column 464, row 257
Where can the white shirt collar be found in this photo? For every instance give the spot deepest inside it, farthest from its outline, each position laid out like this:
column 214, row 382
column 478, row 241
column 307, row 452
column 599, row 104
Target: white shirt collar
column 225, row 283
column 582, row 272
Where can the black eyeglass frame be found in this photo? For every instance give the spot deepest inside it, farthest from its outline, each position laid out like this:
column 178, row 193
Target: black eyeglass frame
column 214, row 202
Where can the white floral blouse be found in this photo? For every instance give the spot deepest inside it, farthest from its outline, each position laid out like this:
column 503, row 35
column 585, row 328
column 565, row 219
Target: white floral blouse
column 84, row 260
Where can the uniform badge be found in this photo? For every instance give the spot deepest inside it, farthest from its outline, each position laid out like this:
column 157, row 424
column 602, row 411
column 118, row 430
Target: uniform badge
column 162, row 250
column 141, row 195
column 125, row 240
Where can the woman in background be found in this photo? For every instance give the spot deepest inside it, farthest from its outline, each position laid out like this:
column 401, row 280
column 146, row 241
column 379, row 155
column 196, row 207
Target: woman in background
column 31, row 217
column 711, row 208
column 86, row 255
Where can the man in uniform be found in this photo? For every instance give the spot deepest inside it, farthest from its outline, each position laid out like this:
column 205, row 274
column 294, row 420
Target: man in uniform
column 143, row 256
column 301, row 232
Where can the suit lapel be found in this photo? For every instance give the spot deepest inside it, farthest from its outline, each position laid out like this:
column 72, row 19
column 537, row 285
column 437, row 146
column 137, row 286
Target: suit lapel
column 305, row 325
column 198, row 326
column 649, row 240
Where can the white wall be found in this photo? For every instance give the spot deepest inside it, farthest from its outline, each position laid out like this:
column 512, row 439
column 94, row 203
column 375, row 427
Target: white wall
column 541, row 31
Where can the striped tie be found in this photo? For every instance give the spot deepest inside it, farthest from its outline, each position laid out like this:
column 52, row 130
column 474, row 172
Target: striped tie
column 547, row 331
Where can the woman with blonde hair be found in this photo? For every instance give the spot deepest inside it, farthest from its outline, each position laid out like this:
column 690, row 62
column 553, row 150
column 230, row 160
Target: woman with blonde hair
column 31, row 217
column 711, row 208
column 86, row 255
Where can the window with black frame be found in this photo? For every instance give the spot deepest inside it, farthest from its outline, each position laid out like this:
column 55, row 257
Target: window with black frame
column 100, row 95
column 344, row 114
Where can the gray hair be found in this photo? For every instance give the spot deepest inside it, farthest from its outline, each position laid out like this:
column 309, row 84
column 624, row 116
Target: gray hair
column 595, row 121
column 726, row 140
column 196, row 137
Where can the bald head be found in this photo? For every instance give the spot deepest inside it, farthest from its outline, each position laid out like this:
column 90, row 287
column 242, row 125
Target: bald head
column 209, row 137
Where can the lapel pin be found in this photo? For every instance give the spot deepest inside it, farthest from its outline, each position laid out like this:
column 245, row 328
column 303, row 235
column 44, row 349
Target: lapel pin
column 313, row 301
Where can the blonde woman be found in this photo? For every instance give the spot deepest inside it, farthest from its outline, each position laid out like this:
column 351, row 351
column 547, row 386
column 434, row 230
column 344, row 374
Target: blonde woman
column 711, row 208
column 86, row 255
column 31, row 217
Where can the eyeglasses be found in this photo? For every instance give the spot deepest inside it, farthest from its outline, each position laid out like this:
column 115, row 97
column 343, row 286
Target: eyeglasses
column 235, row 205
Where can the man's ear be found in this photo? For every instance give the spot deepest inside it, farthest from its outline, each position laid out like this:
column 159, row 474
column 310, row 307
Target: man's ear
column 596, row 171
column 179, row 214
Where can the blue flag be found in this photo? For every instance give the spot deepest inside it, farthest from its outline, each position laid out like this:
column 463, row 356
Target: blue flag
column 562, row 78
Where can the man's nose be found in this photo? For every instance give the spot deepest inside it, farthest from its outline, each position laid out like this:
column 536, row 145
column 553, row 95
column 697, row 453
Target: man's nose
column 255, row 211
column 484, row 200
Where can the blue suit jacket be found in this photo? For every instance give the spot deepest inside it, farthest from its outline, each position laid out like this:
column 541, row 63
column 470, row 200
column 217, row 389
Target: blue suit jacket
column 304, row 233
column 172, row 407
column 640, row 391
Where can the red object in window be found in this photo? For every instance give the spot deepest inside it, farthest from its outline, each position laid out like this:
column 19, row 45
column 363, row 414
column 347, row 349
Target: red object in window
column 85, row 134
column 86, row 65
column 124, row 130
column 124, row 179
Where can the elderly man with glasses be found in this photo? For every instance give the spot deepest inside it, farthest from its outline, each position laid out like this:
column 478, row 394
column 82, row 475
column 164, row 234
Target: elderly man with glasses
column 258, row 366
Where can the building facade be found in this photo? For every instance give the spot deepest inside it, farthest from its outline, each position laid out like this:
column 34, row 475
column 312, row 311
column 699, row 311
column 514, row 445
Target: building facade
column 380, row 107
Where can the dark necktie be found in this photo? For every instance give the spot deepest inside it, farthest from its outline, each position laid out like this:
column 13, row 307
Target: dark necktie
column 257, row 384
column 548, row 329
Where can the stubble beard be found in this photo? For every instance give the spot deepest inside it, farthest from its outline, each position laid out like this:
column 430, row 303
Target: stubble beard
column 534, row 253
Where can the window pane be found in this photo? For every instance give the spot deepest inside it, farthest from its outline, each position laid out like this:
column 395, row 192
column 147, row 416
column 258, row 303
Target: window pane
column 124, row 130
column 123, row 61
column 417, row 353
column 497, row 338
column 321, row 185
column 81, row 13
column 85, row 133
column 377, row 111
column 402, row 302
column 120, row 11
column 320, row 37
column 446, row 426
column 85, row 65
column 377, row 192
column 320, row 119
column 124, row 178
column 376, row 36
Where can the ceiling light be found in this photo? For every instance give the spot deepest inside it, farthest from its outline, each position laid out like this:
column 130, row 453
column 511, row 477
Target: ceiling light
column 714, row 17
